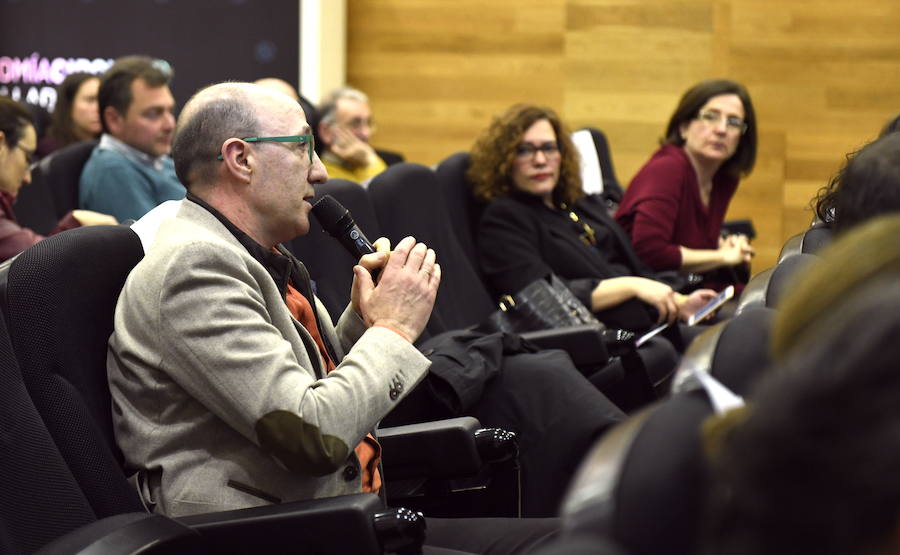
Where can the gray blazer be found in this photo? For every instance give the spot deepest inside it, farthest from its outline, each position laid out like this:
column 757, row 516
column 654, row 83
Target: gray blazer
column 219, row 398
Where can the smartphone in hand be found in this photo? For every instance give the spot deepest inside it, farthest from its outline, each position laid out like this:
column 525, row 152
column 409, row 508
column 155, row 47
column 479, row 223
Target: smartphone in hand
column 712, row 305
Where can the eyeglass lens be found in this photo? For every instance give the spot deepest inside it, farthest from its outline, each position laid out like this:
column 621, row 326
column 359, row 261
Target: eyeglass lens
column 528, row 150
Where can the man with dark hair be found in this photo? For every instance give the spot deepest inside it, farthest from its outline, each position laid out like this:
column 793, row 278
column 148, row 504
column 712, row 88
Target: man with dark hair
column 130, row 171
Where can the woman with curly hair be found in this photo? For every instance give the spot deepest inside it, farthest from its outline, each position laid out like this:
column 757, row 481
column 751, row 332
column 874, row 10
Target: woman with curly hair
column 675, row 205
column 538, row 221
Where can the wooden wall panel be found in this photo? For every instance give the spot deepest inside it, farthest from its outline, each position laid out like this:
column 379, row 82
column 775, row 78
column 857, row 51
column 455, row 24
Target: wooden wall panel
column 824, row 77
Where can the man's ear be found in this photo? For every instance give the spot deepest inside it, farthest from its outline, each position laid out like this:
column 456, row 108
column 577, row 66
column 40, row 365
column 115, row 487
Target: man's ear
column 237, row 158
column 115, row 121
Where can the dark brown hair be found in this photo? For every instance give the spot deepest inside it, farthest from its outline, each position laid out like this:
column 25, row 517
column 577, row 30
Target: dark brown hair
column 495, row 150
column 867, row 185
column 115, row 85
column 14, row 118
column 62, row 127
column 742, row 161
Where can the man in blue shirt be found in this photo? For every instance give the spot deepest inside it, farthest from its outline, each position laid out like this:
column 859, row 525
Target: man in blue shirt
column 130, row 171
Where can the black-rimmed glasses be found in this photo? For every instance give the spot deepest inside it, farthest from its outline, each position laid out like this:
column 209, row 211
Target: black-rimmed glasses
column 527, row 151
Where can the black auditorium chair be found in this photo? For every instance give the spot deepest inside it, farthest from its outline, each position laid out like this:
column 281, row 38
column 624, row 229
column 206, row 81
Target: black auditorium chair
column 643, row 485
column 57, row 300
column 42, row 506
column 56, row 187
column 767, row 287
column 735, row 351
column 462, row 207
column 35, row 207
column 612, row 189
column 808, row 242
column 390, row 157
column 581, row 544
column 62, row 171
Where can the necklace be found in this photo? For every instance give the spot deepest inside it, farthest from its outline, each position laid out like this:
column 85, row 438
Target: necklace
column 585, row 232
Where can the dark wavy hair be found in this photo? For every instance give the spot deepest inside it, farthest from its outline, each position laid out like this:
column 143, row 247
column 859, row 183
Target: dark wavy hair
column 744, row 158
column 867, row 185
column 494, row 151
column 62, row 128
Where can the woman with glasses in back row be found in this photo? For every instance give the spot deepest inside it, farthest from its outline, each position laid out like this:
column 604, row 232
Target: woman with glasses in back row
column 18, row 141
column 539, row 221
column 675, row 205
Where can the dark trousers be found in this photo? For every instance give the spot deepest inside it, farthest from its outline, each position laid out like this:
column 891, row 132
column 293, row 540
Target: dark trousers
column 556, row 413
column 489, row 536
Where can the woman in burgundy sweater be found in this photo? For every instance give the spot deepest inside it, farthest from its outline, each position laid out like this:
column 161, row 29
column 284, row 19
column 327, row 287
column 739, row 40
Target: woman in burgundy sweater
column 674, row 208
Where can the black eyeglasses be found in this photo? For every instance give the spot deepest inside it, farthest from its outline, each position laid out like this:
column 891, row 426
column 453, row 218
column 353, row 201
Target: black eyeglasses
column 302, row 140
column 527, row 151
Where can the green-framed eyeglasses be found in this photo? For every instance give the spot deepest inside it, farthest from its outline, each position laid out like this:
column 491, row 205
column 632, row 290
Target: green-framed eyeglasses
column 308, row 139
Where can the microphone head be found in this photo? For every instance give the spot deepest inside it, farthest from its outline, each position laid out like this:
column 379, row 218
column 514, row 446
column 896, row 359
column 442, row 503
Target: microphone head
column 330, row 212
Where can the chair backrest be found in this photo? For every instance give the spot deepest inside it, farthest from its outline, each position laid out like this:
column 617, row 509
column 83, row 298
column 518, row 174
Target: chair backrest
column 767, row 287
column 62, row 171
column 39, row 498
column 736, row 351
column 810, row 241
column 612, row 189
column 390, row 157
column 815, row 238
column 329, row 265
column 794, row 245
column 644, row 483
column 408, row 201
column 59, row 298
column 34, row 207
column 462, row 207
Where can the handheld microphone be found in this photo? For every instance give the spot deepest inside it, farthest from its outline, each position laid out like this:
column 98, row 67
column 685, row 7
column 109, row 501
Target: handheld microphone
column 337, row 222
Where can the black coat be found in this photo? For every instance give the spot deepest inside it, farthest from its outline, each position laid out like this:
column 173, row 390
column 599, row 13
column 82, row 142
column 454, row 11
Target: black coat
column 521, row 240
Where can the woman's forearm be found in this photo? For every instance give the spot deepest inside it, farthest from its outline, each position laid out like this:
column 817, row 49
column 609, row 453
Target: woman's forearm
column 701, row 260
column 612, row 291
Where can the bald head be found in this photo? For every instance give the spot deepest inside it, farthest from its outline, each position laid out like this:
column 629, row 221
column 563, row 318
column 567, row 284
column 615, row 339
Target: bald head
column 279, row 85
column 213, row 115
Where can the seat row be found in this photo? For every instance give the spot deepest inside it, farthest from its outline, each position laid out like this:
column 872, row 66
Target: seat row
column 63, row 488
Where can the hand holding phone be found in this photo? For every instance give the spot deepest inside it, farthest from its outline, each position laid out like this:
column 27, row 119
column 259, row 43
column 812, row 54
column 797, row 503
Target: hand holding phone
column 711, row 306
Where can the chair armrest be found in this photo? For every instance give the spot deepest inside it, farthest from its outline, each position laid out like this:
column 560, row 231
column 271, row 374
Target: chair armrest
column 585, row 343
column 328, row 525
column 435, row 450
column 126, row 534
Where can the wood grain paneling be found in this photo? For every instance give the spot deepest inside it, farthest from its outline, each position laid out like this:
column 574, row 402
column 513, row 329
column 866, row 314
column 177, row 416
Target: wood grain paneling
column 824, row 77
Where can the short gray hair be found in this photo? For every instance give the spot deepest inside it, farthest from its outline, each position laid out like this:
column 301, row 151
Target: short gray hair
column 210, row 117
column 328, row 108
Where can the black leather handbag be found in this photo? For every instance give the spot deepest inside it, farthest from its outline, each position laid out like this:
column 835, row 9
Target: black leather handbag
column 543, row 304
